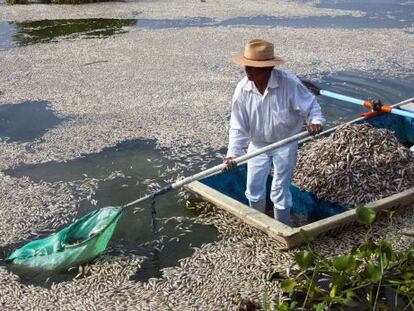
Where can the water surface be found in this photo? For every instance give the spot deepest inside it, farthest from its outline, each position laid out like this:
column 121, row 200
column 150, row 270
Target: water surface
column 361, row 85
column 378, row 14
column 125, row 170
column 26, row 121
column 132, row 165
column 343, row 21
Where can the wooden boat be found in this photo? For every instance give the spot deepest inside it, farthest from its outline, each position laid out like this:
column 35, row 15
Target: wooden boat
column 226, row 191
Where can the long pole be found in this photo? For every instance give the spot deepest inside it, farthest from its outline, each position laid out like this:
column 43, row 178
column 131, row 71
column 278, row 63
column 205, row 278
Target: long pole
column 366, row 103
column 376, row 106
column 303, row 137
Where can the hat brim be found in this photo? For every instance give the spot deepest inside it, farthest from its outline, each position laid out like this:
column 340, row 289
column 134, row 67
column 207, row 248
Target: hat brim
column 239, row 59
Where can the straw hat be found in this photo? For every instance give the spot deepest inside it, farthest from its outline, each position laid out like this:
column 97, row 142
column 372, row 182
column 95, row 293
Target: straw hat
column 257, row 53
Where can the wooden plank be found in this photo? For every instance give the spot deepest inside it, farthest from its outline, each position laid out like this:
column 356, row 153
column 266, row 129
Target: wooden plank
column 325, row 225
column 399, row 199
column 270, row 226
column 291, row 237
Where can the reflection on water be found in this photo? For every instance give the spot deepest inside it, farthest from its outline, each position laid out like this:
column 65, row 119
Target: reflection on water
column 125, row 172
column 26, row 121
column 43, row 31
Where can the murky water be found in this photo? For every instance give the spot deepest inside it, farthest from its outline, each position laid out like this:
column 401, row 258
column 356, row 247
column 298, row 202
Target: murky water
column 131, row 164
column 26, row 121
column 394, row 8
column 14, row 34
column 44, row 31
column 391, row 13
column 348, row 22
column 379, row 14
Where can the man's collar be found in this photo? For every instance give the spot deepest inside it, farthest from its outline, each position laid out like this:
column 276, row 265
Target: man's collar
column 271, row 84
column 249, row 85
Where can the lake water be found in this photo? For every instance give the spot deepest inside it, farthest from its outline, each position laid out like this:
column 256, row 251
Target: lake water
column 26, row 121
column 378, row 14
column 133, row 162
column 123, row 170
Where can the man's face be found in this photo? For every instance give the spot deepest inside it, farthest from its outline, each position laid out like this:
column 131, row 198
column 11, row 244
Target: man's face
column 256, row 73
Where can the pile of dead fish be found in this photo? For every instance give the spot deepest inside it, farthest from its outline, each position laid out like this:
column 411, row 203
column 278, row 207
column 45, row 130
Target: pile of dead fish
column 356, row 165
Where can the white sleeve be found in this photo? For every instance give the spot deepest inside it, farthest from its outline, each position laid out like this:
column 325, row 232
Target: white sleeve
column 239, row 129
column 305, row 102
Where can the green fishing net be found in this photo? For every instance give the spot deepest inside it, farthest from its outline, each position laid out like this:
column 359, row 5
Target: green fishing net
column 78, row 243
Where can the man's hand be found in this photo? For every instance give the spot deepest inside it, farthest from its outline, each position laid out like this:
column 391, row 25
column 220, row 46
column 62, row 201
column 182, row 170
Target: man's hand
column 314, row 129
column 229, row 163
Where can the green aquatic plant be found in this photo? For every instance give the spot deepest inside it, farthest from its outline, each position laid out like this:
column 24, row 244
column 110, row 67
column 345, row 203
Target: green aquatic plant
column 44, row 31
column 373, row 275
column 17, row 1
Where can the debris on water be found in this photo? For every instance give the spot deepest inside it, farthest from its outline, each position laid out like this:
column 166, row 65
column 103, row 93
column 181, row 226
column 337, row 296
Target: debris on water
column 135, row 97
column 357, row 164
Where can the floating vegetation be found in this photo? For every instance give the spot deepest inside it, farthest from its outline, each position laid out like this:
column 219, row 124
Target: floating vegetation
column 356, row 165
column 25, row 33
column 30, row 32
column 373, row 275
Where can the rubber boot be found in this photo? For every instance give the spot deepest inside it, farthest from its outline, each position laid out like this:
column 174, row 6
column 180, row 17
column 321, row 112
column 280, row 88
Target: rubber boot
column 283, row 215
column 259, row 205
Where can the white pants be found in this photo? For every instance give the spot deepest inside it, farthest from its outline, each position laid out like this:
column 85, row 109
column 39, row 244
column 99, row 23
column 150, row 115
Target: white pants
column 258, row 170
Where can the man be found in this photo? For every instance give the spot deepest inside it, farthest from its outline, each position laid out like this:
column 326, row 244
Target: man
column 269, row 105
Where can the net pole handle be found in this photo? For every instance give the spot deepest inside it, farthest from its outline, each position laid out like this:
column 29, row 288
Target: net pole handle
column 301, row 137
column 179, row 183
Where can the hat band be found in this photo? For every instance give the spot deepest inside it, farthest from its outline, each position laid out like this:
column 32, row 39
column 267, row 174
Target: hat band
column 256, row 57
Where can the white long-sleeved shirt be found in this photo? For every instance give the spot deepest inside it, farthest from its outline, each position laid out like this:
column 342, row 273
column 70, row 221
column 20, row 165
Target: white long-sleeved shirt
column 273, row 116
